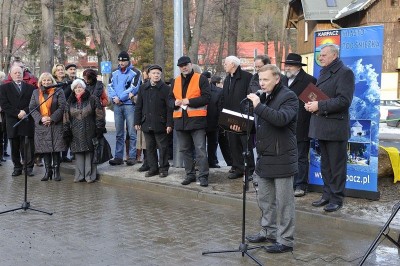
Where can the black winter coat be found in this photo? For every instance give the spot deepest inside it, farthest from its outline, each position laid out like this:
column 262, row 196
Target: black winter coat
column 331, row 122
column 276, row 133
column 235, row 90
column 214, row 108
column 83, row 121
column 191, row 123
column 152, row 111
column 12, row 102
column 298, row 85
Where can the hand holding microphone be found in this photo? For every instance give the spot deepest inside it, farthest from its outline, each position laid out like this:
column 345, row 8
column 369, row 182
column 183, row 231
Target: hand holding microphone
column 255, row 97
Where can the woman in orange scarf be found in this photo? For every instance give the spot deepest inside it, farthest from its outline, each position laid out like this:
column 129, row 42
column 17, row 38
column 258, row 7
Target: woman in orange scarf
column 48, row 118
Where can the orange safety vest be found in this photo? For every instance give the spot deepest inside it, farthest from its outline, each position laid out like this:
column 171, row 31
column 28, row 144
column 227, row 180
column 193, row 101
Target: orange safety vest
column 193, row 91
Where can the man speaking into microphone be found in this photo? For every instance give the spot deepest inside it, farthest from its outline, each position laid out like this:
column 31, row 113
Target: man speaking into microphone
column 276, row 110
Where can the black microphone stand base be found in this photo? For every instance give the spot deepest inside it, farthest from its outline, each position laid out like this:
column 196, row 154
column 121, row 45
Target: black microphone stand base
column 243, row 248
column 26, row 206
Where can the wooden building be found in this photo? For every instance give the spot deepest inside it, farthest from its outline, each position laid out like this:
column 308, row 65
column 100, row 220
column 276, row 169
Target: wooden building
column 308, row 16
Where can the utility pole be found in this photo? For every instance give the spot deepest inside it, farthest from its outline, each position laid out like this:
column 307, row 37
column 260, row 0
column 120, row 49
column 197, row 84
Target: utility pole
column 178, row 52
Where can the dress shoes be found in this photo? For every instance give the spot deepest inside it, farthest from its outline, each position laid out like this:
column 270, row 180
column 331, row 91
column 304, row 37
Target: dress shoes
column 144, row 168
column 235, row 175
column 278, row 248
column 5, row 154
column 214, row 166
column 130, row 162
column 332, row 207
column 29, row 172
column 299, row 192
column 65, row 159
column 163, row 174
column 151, row 173
column 258, row 238
column 188, row 180
column 203, row 182
column 116, row 161
column 16, row 173
column 320, row 203
column 232, row 170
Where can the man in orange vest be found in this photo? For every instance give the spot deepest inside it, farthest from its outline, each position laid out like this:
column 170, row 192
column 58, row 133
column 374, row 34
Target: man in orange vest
column 189, row 97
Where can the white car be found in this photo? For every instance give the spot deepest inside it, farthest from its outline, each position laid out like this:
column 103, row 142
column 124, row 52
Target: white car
column 386, row 105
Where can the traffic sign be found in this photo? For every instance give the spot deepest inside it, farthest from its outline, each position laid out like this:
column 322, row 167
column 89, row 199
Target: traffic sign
column 105, row 67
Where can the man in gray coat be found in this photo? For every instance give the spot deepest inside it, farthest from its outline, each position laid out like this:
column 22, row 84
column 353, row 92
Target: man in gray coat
column 330, row 125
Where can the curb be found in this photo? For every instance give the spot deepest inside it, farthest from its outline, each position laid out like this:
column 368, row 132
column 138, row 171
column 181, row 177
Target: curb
column 328, row 221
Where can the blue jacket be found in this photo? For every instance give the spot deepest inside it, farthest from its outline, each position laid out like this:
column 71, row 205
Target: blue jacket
column 122, row 83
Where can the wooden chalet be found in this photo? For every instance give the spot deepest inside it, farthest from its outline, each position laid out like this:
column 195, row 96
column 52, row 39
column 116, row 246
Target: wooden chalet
column 308, row 16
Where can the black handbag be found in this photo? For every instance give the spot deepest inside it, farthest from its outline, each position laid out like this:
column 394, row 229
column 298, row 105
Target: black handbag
column 102, row 150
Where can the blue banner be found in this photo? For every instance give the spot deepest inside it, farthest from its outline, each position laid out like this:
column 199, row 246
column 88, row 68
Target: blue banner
column 361, row 50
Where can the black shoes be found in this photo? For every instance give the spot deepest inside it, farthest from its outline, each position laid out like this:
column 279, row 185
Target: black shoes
column 144, row 168
column 116, row 161
column 29, row 172
column 163, row 174
column 203, row 182
column 214, row 166
column 188, row 180
column 5, row 154
column 17, row 172
column 258, row 238
column 278, row 248
column 320, row 203
column 332, row 207
column 130, row 162
column 235, row 175
column 151, row 173
column 65, row 159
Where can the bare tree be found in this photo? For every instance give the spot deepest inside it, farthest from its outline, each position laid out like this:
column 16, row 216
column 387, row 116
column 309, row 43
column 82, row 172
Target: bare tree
column 187, row 34
column 158, row 25
column 194, row 47
column 115, row 34
column 47, row 36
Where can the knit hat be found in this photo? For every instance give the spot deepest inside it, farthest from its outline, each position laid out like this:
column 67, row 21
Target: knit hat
column 123, row 56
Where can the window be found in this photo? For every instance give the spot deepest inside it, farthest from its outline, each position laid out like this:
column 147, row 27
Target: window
column 92, row 59
column 331, row 3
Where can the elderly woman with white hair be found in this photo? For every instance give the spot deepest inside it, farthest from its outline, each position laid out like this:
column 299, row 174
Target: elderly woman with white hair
column 84, row 120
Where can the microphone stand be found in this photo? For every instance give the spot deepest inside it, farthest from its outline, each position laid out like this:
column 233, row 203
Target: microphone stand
column 243, row 247
column 26, row 204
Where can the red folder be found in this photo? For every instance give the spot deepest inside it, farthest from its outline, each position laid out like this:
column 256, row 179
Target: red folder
column 312, row 93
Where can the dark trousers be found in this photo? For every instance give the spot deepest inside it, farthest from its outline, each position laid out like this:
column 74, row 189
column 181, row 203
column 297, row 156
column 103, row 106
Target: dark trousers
column 237, row 143
column 224, row 146
column 301, row 179
column 212, row 145
column 18, row 152
column 154, row 141
column 333, row 169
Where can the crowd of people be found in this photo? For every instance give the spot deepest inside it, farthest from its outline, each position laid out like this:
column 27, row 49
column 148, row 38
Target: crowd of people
column 68, row 113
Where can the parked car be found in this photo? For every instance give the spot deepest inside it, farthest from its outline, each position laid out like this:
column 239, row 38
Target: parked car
column 393, row 118
column 386, row 105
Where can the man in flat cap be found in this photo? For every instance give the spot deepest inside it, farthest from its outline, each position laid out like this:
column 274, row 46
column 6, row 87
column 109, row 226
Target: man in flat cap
column 154, row 117
column 189, row 97
column 297, row 80
column 122, row 82
column 71, row 71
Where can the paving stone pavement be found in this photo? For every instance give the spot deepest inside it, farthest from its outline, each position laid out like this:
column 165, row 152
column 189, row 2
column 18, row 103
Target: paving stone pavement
column 114, row 223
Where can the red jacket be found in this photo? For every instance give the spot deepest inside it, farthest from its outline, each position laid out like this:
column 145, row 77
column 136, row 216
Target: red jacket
column 28, row 78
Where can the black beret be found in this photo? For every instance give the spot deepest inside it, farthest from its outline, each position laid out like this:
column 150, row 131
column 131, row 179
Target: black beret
column 183, row 60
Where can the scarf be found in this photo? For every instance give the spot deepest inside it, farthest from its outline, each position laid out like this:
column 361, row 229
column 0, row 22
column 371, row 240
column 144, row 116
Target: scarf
column 79, row 97
column 45, row 108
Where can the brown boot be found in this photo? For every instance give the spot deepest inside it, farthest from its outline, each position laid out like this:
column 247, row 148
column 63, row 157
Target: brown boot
column 139, row 155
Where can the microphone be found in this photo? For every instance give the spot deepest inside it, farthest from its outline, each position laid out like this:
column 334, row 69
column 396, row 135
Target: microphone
column 258, row 93
column 61, row 84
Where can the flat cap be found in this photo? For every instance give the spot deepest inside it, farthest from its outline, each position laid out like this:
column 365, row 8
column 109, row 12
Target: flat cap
column 155, row 66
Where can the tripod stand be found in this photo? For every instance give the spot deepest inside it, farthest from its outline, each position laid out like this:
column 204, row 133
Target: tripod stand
column 26, row 204
column 396, row 208
column 243, row 247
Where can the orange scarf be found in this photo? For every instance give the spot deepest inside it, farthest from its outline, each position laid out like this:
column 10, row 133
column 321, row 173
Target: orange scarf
column 45, row 108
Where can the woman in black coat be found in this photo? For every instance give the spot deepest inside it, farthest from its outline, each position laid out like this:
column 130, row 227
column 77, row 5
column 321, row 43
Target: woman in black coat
column 84, row 121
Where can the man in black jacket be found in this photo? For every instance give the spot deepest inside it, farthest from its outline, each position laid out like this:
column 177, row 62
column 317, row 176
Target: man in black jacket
column 154, row 117
column 297, row 80
column 277, row 160
column 14, row 101
column 189, row 97
column 259, row 61
column 330, row 124
column 236, row 88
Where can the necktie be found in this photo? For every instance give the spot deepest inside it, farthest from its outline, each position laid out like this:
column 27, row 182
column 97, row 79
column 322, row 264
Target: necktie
column 19, row 86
